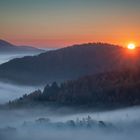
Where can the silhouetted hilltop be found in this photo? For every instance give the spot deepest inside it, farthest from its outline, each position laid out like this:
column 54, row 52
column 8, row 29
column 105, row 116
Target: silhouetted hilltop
column 66, row 64
column 6, row 47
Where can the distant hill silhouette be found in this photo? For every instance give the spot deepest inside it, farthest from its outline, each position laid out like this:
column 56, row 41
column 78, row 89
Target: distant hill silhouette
column 6, row 47
column 67, row 63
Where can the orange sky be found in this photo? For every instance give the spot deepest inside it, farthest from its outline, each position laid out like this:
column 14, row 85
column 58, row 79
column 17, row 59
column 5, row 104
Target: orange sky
column 45, row 23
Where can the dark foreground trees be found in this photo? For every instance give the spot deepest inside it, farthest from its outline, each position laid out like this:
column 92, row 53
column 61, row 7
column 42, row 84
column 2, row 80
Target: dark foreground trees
column 120, row 88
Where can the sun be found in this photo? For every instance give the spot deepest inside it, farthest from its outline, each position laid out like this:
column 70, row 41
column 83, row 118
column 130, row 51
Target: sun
column 131, row 46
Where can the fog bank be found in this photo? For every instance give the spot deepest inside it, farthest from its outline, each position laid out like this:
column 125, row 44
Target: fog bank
column 10, row 92
column 23, row 124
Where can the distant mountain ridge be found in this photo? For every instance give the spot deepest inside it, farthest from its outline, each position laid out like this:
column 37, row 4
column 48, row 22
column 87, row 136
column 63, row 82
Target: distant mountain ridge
column 6, row 47
column 67, row 64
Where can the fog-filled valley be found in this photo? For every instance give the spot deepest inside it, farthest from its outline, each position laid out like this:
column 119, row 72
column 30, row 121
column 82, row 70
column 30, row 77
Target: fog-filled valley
column 43, row 123
column 70, row 109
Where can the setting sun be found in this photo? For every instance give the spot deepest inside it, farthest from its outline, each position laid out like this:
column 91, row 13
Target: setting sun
column 131, row 46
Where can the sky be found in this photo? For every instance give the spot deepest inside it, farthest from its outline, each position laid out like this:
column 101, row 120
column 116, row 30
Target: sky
column 58, row 23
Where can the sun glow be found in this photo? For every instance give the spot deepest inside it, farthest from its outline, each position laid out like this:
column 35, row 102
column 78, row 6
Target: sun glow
column 131, row 46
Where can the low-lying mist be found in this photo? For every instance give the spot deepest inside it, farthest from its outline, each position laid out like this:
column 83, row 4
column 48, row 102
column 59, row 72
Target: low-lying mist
column 10, row 91
column 5, row 57
column 44, row 123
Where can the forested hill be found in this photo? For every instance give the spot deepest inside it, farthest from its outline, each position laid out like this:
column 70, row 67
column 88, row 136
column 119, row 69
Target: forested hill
column 113, row 89
column 66, row 64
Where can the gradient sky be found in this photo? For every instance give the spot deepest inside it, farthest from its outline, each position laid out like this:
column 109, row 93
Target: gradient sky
column 56, row 23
